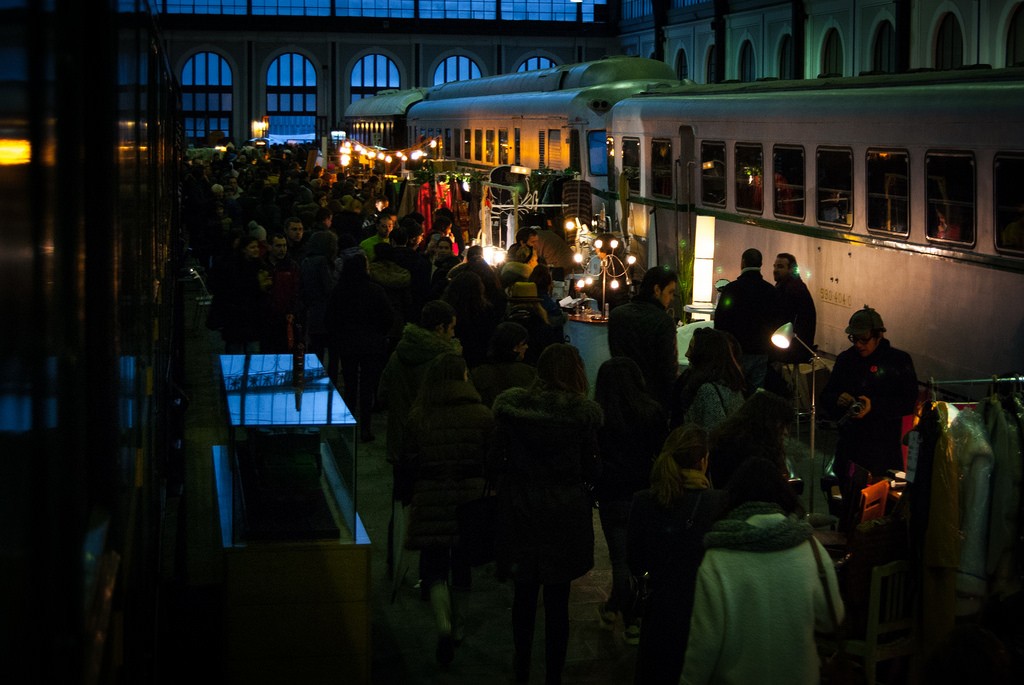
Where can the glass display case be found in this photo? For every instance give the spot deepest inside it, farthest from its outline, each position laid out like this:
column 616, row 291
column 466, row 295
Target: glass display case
column 289, row 469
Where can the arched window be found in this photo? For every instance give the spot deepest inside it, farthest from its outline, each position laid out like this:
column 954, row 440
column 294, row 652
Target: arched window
column 682, row 66
column 709, row 65
column 371, row 74
column 456, row 68
column 534, row 63
column 748, row 67
column 883, row 54
column 787, row 66
column 832, row 54
column 949, row 44
column 206, row 97
column 1015, row 39
column 291, row 96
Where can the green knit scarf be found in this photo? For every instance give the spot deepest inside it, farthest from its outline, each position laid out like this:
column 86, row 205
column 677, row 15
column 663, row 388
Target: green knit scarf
column 733, row 531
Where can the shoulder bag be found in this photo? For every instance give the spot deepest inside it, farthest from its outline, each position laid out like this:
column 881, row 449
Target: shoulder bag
column 837, row 669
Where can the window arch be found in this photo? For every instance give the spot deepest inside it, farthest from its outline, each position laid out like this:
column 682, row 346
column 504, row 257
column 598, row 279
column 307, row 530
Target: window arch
column 291, row 96
column 534, row 63
column 709, row 65
column 787, row 64
column 883, row 53
column 206, row 97
column 456, row 68
column 682, row 65
column 371, row 74
column 949, row 44
column 832, row 54
column 748, row 66
column 1015, row 38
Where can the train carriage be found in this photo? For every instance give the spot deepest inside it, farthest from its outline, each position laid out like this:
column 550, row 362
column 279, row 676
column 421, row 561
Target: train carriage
column 898, row 192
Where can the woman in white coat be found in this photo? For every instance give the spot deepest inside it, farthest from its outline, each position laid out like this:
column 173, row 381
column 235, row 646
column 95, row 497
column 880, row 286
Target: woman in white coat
column 759, row 597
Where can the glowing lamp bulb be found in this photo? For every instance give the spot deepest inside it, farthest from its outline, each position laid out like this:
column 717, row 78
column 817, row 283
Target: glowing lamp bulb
column 433, row 142
column 614, row 243
column 631, row 259
column 589, row 280
column 570, row 224
column 598, row 244
column 614, row 284
column 387, row 158
column 578, row 257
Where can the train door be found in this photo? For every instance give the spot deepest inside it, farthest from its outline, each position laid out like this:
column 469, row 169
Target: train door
column 671, row 222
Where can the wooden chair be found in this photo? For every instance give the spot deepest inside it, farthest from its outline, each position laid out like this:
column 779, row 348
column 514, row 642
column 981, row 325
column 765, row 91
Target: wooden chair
column 873, row 499
column 890, row 625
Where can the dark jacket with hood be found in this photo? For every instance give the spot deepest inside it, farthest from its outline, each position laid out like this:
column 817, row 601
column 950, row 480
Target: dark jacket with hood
column 545, row 451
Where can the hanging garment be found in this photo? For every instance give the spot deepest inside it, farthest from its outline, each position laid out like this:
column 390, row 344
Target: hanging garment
column 974, row 461
column 935, row 523
column 1004, row 437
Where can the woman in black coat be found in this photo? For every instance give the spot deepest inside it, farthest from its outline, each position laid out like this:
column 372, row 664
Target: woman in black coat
column 448, row 430
column 357, row 319
column 545, row 452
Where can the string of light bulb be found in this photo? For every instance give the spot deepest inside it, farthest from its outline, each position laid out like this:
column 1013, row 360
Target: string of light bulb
column 370, row 153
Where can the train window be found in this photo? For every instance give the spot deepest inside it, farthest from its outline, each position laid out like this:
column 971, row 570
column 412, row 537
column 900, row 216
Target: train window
column 631, row 163
column 597, row 153
column 456, row 149
column 712, row 173
column 575, row 162
column 478, row 145
column 661, row 168
column 749, row 177
column 446, row 143
column 888, row 191
column 788, row 177
column 516, row 137
column 554, row 155
column 466, row 143
column 502, row 146
column 1009, row 203
column 835, row 187
column 489, row 149
column 950, row 197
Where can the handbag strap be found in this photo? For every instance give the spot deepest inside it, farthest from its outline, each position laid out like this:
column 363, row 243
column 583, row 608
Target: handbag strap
column 693, row 514
column 828, row 594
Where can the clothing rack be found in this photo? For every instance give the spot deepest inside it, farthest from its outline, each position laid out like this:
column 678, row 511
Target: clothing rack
column 991, row 380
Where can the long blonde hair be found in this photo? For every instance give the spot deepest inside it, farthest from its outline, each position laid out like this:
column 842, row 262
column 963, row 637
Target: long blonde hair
column 684, row 448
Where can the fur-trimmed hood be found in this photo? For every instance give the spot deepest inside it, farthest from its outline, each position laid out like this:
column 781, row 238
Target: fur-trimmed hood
column 548, row 406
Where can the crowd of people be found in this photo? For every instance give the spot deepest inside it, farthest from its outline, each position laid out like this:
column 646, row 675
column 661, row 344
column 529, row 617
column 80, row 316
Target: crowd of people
column 714, row 572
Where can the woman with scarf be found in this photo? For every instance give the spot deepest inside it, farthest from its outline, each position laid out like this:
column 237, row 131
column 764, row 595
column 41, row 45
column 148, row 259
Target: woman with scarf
column 667, row 524
column 759, row 596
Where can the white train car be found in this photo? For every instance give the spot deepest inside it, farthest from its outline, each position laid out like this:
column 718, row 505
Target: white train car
column 902, row 193
column 550, row 119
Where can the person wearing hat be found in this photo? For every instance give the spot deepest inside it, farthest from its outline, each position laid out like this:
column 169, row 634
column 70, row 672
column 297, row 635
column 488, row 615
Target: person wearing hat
column 525, row 308
column 872, row 387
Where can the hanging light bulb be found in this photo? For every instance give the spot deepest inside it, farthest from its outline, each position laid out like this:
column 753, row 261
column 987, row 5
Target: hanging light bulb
column 387, row 158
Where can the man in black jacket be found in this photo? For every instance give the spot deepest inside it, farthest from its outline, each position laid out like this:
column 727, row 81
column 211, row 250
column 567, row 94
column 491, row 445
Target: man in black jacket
column 748, row 308
column 871, row 388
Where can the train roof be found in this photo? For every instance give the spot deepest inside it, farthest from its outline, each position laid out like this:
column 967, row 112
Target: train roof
column 966, row 75
column 565, row 77
column 983, row 112
column 386, row 103
column 598, row 98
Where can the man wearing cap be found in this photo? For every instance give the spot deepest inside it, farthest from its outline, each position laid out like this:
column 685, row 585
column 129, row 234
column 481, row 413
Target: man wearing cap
column 872, row 387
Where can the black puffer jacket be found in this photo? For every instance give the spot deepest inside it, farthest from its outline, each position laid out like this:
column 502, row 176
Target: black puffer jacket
column 545, row 448
column 450, row 444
